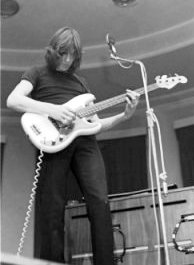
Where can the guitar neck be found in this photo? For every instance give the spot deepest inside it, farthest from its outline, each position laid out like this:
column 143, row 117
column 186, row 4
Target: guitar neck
column 108, row 103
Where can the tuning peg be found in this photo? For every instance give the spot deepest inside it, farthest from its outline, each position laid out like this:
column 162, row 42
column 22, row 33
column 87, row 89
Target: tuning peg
column 184, row 79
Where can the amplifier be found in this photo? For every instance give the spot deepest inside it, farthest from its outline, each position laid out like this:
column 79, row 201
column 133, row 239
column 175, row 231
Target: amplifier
column 134, row 226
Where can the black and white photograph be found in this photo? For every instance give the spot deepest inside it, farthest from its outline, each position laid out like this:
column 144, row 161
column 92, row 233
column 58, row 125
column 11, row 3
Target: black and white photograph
column 97, row 132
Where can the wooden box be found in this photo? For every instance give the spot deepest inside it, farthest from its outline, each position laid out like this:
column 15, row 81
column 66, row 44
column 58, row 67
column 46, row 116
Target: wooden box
column 134, row 215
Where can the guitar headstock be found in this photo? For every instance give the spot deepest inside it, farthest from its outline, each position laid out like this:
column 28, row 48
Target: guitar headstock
column 170, row 82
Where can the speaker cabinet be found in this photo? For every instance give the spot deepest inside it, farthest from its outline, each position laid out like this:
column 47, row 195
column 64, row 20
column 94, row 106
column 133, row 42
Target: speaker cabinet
column 134, row 224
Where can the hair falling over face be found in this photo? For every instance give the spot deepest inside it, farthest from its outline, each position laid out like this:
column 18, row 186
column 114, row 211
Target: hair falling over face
column 65, row 41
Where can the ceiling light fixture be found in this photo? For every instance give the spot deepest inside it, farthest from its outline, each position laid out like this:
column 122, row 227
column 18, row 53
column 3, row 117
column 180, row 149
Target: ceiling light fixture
column 123, row 3
column 9, row 8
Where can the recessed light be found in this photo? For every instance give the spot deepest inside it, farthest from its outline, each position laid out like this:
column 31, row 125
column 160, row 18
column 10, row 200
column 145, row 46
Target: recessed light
column 123, row 3
column 9, row 8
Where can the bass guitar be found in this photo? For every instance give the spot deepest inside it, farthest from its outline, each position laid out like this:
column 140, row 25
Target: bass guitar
column 52, row 136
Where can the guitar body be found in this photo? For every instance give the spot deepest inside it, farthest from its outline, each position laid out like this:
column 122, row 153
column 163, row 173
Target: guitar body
column 46, row 136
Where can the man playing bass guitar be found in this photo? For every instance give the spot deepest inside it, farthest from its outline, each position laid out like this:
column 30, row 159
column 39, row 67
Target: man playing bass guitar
column 44, row 90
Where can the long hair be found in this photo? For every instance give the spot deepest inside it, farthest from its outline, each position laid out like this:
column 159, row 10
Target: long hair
column 63, row 41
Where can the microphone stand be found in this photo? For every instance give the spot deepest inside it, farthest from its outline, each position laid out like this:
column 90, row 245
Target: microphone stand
column 150, row 121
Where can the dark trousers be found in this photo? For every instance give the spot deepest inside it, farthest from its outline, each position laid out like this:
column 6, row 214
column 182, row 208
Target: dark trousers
column 85, row 160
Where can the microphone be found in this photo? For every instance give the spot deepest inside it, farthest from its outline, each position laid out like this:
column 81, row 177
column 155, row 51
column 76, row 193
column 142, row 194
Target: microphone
column 111, row 44
column 111, row 41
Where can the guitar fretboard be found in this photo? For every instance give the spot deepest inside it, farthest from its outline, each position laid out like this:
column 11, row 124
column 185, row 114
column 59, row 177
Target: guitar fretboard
column 105, row 104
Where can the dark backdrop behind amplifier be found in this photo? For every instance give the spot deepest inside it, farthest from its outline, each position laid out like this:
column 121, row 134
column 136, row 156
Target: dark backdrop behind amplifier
column 135, row 217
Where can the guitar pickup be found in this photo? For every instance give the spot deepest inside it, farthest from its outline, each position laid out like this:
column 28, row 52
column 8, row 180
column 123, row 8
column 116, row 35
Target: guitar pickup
column 35, row 129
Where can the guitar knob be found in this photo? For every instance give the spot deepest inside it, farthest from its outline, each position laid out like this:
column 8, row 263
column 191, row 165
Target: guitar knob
column 61, row 138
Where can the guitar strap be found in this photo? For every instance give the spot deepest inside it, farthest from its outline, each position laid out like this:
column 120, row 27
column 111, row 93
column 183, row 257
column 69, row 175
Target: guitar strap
column 82, row 82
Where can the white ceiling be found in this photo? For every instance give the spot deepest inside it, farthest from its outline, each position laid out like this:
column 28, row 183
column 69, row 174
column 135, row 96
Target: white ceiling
column 160, row 33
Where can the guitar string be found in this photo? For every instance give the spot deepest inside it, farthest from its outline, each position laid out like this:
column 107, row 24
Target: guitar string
column 100, row 106
column 87, row 111
column 107, row 103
